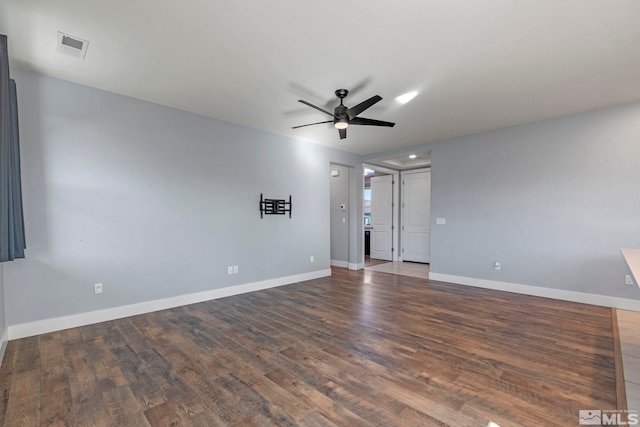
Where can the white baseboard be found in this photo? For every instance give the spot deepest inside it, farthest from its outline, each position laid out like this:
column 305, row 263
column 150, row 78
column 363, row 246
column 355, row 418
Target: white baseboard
column 75, row 320
column 585, row 298
column 345, row 264
column 356, row 266
column 4, row 340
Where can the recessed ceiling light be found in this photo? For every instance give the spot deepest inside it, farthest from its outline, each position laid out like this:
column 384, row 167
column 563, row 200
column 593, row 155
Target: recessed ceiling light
column 404, row 98
column 412, row 156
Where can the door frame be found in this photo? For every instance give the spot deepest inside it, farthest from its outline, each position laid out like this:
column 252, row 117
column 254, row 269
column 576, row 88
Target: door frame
column 395, row 208
column 346, row 187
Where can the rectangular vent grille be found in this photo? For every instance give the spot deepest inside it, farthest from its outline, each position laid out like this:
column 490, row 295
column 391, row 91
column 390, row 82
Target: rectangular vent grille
column 68, row 41
column 72, row 46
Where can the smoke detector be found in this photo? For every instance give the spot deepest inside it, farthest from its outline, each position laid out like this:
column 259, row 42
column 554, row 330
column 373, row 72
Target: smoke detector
column 72, row 45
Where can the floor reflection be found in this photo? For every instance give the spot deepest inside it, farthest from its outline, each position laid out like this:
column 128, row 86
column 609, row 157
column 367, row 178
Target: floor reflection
column 412, row 269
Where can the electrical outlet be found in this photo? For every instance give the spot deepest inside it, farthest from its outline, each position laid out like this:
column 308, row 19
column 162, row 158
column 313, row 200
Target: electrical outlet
column 97, row 288
column 235, row 269
column 230, row 269
column 497, row 265
column 312, row 259
column 628, row 280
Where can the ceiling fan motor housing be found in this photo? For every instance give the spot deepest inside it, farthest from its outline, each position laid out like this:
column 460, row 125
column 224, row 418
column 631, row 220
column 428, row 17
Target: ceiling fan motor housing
column 340, row 113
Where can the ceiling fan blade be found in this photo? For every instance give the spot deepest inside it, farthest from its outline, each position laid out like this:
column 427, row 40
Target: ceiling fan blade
column 313, row 106
column 311, row 124
column 354, row 111
column 370, row 122
column 343, row 133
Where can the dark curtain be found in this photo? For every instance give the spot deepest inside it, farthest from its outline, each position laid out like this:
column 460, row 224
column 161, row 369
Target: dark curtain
column 12, row 241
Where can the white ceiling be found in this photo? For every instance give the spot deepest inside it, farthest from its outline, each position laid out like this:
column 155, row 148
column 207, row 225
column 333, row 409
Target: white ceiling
column 478, row 65
column 403, row 161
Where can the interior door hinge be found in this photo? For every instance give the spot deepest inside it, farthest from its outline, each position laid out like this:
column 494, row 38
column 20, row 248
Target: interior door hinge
column 392, row 249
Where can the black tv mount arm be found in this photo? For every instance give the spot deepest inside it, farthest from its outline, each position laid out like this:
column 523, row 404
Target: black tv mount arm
column 274, row 206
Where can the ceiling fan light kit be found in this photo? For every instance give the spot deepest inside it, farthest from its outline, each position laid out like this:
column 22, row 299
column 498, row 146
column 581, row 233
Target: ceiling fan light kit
column 344, row 116
column 341, row 124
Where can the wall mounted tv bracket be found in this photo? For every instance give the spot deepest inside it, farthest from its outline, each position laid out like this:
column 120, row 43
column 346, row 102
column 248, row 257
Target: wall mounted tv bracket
column 274, row 206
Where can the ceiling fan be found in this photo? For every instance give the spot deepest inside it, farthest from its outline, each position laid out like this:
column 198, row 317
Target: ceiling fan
column 344, row 116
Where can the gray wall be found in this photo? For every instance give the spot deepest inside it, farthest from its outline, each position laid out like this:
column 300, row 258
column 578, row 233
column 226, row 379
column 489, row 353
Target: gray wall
column 356, row 242
column 340, row 196
column 553, row 201
column 153, row 202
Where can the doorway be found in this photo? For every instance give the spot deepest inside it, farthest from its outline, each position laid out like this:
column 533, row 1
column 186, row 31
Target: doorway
column 412, row 197
column 380, row 214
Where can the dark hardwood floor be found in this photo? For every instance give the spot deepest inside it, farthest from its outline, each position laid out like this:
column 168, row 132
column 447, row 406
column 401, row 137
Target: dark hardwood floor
column 356, row 349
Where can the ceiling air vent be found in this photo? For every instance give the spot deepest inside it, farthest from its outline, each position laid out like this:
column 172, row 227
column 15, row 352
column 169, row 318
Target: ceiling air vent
column 72, row 46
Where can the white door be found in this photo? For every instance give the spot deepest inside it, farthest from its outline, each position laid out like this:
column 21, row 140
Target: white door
column 382, row 217
column 416, row 218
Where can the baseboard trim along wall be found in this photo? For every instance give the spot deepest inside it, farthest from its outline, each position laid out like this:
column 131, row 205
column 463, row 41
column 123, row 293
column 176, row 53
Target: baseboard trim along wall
column 75, row 320
column 336, row 263
column 345, row 264
column 356, row 266
column 593, row 299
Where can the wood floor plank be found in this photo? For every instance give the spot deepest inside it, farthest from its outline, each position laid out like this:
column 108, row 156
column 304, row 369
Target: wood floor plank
column 165, row 414
column 188, row 403
column 316, row 419
column 82, row 382
column 105, row 366
column 121, row 404
column 147, row 391
column 6, row 376
column 23, row 406
column 57, row 408
column 437, row 403
column 356, row 349
column 331, row 409
column 621, row 393
column 210, row 384
column 270, row 391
